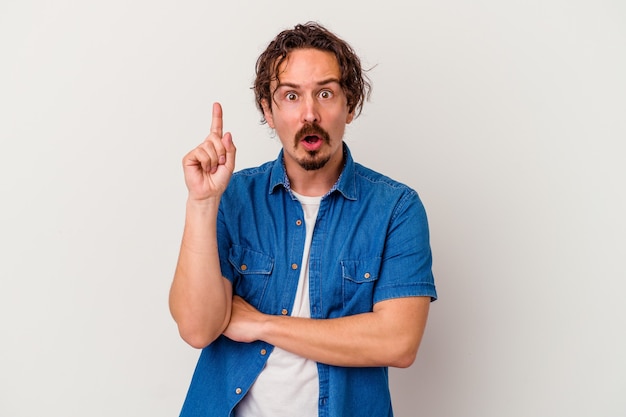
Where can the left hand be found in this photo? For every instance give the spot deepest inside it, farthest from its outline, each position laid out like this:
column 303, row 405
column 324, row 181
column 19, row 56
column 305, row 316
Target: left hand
column 245, row 322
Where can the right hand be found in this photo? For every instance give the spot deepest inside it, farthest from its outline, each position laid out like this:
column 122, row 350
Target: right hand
column 209, row 166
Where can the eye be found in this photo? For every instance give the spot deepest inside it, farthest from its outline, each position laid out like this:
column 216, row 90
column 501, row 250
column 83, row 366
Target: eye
column 291, row 96
column 325, row 94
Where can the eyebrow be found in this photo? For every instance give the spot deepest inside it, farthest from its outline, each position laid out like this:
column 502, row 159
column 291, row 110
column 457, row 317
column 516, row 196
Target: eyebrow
column 319, row 83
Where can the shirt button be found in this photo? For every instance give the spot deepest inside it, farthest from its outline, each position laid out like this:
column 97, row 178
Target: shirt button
column 284, row 312
column 244, row 267
column 263, row 352
column 298, row 222
column 294, row 266
column 238, row 391
column 367, row 275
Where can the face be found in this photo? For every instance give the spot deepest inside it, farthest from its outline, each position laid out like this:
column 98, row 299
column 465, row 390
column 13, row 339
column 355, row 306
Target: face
column 309, row 110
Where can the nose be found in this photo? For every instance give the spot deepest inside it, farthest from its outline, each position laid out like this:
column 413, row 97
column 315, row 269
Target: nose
column 310, row 111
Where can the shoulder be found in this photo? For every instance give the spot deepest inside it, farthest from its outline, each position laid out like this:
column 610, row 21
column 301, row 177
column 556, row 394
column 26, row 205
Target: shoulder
column 374, row 181
column 384, row 194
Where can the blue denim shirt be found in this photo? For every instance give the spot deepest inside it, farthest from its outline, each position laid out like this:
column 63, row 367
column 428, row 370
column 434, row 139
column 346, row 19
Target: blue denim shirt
column 370, row 243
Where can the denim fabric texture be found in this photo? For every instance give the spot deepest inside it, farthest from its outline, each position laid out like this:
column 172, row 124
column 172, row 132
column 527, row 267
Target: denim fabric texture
column 371, row 243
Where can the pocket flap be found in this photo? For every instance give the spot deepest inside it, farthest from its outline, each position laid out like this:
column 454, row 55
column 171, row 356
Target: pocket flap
column 361, row 270
column 248, row 261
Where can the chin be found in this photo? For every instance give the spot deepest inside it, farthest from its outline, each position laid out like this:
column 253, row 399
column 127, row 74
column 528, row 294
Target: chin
column 313, row 164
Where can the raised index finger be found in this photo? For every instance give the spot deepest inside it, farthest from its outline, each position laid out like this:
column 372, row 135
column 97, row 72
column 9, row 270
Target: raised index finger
column 216, row 121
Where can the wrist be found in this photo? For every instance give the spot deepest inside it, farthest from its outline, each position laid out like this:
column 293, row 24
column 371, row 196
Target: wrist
column 268, row 327
column 202, row 205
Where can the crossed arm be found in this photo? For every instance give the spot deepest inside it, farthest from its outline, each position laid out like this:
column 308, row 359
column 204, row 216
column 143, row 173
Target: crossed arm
column 390, row 335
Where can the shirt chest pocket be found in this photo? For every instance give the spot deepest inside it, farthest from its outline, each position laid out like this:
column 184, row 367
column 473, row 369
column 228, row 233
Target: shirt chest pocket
column 253, row 273
column 359, row 282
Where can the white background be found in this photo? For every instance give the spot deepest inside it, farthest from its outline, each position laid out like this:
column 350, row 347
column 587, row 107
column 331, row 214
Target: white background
column 508, row 117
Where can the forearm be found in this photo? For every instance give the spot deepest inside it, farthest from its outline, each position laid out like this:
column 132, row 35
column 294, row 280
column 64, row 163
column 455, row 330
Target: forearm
column 388, row 336
column 347, row 341
column 200, row 298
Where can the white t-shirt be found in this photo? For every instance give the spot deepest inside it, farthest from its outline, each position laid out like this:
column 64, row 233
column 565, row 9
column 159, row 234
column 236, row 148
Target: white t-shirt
column 289, row 384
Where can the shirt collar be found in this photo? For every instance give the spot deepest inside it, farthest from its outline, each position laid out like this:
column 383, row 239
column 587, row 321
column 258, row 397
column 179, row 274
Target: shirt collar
column 345, row 184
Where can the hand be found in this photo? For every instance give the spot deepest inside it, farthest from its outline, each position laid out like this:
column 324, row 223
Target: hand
column 208, row 167
column 244, row 322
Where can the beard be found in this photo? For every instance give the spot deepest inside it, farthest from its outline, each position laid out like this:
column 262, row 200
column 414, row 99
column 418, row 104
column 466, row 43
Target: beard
column 315, row 161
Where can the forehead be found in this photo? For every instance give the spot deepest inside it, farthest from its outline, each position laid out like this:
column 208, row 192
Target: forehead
column 308, row 64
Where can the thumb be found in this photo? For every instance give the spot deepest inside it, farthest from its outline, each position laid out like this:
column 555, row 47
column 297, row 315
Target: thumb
column 231, row 150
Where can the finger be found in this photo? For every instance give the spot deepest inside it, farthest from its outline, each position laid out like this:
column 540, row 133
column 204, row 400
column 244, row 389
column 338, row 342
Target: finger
column 231, row 151
column 210, row 150
column 198, row 157
column 216, row 121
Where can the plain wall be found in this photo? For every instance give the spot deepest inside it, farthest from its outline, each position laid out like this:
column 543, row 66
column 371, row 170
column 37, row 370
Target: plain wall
column 508, row 117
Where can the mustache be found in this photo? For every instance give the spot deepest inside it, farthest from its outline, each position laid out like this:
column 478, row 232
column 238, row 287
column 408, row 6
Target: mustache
column 311, row 129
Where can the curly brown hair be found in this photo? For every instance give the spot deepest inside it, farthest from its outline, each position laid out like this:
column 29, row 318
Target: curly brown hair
column 354, row 81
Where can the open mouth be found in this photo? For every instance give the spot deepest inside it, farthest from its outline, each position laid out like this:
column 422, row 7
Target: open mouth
column 311, row 139
column 311, row 142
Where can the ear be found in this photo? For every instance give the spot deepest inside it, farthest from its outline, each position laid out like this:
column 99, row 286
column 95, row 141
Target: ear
column 350, row 117
column 267, row 112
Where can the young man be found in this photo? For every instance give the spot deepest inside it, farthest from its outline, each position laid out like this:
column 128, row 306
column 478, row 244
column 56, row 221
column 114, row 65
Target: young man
column 303, row 279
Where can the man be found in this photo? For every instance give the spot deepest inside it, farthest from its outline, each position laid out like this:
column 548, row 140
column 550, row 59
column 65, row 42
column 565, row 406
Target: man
column 303, row 279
